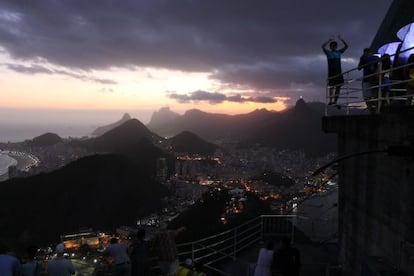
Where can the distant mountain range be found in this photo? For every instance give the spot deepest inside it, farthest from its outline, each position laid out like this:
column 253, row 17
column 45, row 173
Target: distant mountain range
column 296, row 128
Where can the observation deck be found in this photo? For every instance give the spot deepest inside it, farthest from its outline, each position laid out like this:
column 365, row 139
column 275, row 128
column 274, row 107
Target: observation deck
column 235, row 251
column 389, row 88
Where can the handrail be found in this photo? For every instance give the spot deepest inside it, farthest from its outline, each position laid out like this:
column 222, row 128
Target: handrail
column 352, row 96
column 226, row 245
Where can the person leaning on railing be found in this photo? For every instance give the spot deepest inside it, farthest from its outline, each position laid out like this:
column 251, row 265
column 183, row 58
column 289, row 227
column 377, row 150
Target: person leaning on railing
column 369, row 64
column 385, row 78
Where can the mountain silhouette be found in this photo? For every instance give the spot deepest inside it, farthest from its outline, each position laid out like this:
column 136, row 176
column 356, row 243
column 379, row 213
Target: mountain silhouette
column 47, row 139
column 209, row 126
column 297, row 128
column 188, row 142
column 120, row 138
column 131, row 139
column 162, row 117
column 101, row 130
column 100, row 191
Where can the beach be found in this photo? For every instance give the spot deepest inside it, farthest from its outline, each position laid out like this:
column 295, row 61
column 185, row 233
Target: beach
column 23, row 162
column 5, row 162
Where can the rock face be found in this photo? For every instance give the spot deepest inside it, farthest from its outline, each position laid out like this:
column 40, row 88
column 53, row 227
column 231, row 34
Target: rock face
column 103, row 129
column 162, row 117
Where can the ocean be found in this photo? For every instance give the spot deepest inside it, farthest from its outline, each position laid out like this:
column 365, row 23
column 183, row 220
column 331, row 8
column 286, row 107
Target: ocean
column 17, row 125
column 21, row 132
column 5, row 162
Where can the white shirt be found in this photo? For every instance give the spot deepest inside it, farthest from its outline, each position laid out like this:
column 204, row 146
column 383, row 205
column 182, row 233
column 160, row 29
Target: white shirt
column 264, row 263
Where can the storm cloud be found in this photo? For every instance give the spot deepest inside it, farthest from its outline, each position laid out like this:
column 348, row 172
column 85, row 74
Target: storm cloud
column 216, row 97
column 39, row 69
column 271, row 47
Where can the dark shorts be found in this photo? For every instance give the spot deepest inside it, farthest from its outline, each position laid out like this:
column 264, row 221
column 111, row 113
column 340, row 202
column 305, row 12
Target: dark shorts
column 335, row 81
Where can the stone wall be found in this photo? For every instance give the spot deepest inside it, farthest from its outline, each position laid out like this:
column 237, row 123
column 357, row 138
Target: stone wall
column 376, row 192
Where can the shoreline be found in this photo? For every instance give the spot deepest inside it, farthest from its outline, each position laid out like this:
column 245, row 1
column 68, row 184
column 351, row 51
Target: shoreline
column 24, row 161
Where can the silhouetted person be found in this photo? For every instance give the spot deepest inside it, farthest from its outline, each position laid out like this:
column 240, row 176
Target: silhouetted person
column 60, row 266
column 335, row 77
column 369, row 64
column 397, row 75
column 286, row 260
column 121, row 265
column 385, row 77
column 264, row 260
column 32, row 267
column 138, row 253
column 166, row 249
column 9, row 264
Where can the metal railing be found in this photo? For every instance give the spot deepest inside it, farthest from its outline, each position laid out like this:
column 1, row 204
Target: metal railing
column 351, row 92
column 226, row 245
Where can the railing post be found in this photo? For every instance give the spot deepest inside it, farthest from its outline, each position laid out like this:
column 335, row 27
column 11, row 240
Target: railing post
column 261, row 228
column 327, row 98
column 192, row 251
column 347, row 93
column 235, row 244
column 379, row 94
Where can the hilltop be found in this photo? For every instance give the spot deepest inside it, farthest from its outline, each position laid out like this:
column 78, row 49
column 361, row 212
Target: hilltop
column 122, row 136
column 46, row 139
column 101, row 130
column 190, row 143
column 162, row 117
column 100, row 191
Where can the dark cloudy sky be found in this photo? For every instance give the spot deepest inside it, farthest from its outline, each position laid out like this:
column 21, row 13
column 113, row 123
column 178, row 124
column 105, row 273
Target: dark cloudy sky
column 221, row 55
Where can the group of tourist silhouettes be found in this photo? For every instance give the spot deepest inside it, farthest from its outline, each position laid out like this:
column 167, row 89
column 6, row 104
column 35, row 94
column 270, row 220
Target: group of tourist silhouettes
column 285, row 261
column 381, row 77
column 127, row 259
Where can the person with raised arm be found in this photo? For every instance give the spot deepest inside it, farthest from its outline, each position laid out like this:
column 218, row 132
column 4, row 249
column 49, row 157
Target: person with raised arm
column 335, row 77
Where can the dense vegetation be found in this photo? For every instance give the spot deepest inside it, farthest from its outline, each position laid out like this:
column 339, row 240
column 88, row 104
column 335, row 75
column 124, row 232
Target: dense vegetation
column 101, row 191
column 203, row 218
